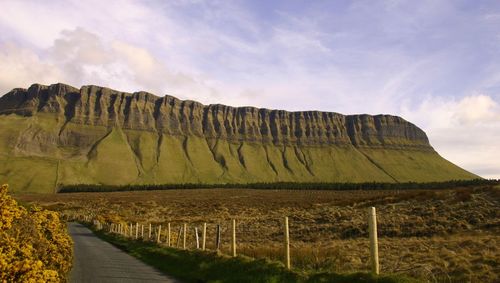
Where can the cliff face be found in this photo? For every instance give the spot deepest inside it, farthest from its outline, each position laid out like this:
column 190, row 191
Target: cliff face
column 85, row 129
column 97, row 106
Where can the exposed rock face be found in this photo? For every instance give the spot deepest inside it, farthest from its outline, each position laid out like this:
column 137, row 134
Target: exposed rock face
column 82, row 128
column 98, row 106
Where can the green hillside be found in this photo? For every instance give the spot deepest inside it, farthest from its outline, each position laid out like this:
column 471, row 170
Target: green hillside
column 60, row 141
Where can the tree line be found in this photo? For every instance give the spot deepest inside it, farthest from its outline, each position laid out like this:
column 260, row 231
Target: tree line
column 280, row 186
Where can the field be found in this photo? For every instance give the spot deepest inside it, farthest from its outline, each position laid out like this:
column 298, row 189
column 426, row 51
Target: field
column 441, row 235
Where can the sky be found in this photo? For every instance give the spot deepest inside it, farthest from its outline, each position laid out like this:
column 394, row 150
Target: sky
column 436, row 63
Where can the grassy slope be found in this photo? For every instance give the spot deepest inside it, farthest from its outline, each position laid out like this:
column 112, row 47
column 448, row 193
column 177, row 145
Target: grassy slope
column 112, row 161
column 23, row 173
column 418, row 166
column 116, row 156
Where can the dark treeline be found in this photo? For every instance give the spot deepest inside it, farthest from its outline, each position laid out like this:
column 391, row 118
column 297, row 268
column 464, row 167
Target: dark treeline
column 282, row 186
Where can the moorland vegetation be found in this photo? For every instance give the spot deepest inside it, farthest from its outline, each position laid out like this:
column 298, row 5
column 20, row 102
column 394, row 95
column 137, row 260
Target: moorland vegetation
column 446, row 235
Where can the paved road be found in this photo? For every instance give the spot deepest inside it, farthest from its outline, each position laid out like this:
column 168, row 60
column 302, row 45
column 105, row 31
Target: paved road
column 98, row 261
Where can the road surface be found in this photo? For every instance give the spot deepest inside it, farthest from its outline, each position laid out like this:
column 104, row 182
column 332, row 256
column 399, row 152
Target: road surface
column 98, row 261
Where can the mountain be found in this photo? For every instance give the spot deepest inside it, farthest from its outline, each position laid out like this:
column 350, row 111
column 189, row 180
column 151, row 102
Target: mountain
column 58, row 134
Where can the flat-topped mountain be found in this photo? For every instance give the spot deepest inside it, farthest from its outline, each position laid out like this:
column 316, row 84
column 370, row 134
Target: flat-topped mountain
column 58, row 134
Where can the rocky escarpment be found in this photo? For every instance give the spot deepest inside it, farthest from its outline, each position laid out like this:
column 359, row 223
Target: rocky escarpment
column 98, row 106
column 58, row 134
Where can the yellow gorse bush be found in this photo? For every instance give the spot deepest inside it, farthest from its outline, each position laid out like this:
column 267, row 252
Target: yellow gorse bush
column 34, row 243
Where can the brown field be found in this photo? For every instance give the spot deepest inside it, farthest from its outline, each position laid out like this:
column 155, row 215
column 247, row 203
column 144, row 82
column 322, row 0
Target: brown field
column 437, row 236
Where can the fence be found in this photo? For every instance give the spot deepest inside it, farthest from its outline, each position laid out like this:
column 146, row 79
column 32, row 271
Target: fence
column 189, row 236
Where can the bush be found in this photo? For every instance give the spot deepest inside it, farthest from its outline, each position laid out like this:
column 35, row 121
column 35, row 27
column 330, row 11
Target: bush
column 34, row 244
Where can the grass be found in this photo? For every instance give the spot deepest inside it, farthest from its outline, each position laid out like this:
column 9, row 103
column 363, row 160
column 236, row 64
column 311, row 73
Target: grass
column 449, row 235
column 83, row 153
column 420, row 166
column 198, row 266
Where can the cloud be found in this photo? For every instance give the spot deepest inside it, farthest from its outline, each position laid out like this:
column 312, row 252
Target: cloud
column 432, row 62
column 465, row 131
column 477, row 109
column 81, row 46
column 79, row 57
column 20, row 66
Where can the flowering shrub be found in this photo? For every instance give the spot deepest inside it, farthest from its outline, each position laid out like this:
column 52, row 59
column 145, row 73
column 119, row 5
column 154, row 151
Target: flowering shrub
column 34, row 244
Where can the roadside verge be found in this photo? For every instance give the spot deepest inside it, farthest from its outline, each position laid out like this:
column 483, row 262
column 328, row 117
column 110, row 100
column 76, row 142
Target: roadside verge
column 203, row 266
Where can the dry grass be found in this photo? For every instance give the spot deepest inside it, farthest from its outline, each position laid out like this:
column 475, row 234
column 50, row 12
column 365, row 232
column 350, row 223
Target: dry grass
column 444, row 236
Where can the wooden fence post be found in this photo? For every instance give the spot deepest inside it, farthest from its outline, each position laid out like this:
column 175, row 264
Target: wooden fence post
column 179, row 237
column 184, row 236
column 149, row 237
column 136, row 230
column 217, row 238
column 168, row 234
column 197, row 238
column 233, row 238
column 159, row 234
column 372, row 226
column 142, row 232
column 204, row 236
column 287, row 244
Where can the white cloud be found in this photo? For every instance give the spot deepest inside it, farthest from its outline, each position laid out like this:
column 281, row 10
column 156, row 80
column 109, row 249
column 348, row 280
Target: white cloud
column 477, row 109
column 20, row 67
column 464, row 131
column 79, row 57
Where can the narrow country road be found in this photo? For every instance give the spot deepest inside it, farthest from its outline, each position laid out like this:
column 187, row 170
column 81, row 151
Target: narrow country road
column 98, row 261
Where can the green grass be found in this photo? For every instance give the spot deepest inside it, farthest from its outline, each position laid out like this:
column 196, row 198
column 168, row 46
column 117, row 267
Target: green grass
column 111, row 155
column 198, row 266
column 28, row 174
column 412, row 165
column 115, row 156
